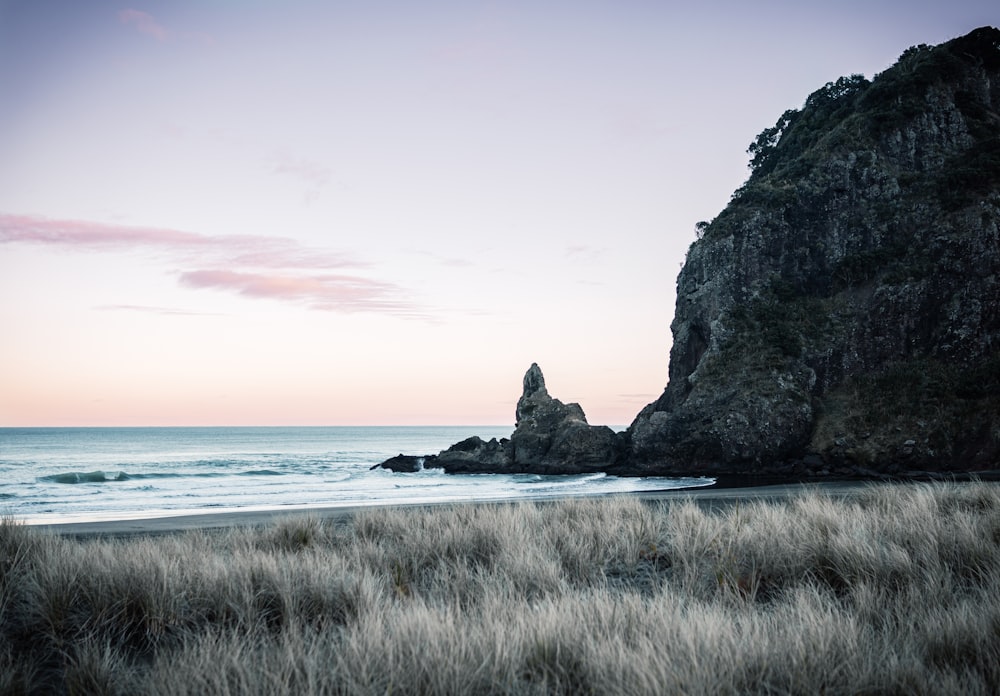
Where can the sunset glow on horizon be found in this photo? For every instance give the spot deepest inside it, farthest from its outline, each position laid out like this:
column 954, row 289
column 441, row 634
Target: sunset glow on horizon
column 337, row 213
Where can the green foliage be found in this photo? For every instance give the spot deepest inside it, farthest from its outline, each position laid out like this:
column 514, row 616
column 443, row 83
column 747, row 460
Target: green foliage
column 763, row 146
column 796, row 131
column 773, row 328
column 980, row 381
column 938, row 405
column 831, row 96
column 863, row 267
column 980, row 117
column 967, row 177
column 897, row 95
column 790, row 185
column 766, row 193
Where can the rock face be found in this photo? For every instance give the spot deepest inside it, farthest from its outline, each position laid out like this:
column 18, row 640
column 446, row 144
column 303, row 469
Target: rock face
column 549, row 437
column 842, row 313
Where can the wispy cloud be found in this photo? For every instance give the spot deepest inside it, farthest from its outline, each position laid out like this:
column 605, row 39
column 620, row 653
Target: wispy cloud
column 314, row 175
column 144, row 23
column 310, row 172
column 237, row 250
column 330, row 292
column 255, row 267
column 147, row 24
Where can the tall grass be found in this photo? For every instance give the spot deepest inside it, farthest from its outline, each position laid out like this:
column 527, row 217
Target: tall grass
column 896, row 590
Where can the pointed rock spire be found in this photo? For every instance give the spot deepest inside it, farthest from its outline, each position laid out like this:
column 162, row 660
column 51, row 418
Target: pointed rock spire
column 533, row 394
column 534, row 381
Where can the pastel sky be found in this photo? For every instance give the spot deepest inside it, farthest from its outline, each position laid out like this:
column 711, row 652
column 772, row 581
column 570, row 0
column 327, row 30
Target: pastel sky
column 346, row 212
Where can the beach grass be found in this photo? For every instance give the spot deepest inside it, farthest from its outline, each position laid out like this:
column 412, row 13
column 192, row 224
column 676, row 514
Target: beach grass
column 893, row 590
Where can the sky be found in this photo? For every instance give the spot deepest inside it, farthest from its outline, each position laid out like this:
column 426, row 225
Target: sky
column 380, row 213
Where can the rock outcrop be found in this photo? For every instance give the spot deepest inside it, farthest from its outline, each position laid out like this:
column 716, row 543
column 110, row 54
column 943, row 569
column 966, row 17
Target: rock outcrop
column 842, row 314
column 552, row 437
column 549, row 437
column 476, row 456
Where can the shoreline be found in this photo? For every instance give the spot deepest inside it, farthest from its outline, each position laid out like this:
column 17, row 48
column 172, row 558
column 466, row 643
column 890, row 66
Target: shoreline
column 711, row 497
column 725, row 492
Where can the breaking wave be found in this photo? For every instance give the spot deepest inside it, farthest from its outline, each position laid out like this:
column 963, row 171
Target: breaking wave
column 73, row 477
column 84, row 477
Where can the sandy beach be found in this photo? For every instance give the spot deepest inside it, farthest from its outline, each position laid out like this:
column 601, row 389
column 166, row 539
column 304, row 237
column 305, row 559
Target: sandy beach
column 712, row 498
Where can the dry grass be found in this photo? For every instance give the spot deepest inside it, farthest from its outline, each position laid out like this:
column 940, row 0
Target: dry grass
column 895, row 591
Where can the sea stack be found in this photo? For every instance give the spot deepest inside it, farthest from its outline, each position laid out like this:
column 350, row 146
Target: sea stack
column 553, row 437
column 549, row 437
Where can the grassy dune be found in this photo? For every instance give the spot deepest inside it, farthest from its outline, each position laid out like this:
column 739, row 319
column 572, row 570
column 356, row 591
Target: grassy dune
column 896, row 590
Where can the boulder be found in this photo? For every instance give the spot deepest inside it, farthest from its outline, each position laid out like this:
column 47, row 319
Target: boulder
column 407, row 463
column 475, row 456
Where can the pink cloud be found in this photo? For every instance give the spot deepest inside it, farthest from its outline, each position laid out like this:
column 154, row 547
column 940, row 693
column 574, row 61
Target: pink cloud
column 290, row 268
column 144, row 23
column 325, row 292
column 84, row 234
column 242, row 250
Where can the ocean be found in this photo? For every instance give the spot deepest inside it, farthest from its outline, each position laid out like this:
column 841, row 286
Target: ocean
column 85, row 474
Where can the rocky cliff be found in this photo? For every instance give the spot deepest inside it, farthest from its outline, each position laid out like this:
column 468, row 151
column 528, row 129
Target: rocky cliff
column 842, row 313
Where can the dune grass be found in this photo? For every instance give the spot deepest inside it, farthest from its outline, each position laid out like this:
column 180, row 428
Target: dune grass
column 896, row 590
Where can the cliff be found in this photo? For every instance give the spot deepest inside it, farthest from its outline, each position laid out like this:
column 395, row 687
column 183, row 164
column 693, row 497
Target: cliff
column 842, row 313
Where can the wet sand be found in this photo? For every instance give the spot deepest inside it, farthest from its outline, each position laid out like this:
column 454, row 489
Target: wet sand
column 713, row 498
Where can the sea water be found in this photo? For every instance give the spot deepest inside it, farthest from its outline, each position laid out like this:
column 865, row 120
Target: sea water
column 76, row 474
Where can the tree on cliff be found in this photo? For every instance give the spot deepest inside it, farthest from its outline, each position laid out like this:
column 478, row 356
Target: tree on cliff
column 823, row 107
